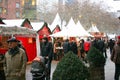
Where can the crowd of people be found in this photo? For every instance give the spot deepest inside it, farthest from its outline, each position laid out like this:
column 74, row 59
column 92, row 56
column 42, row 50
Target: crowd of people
column 15, row 58
column 81, row 48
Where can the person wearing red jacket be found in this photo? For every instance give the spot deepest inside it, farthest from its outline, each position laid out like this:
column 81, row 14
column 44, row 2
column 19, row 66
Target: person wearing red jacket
column 87, row 46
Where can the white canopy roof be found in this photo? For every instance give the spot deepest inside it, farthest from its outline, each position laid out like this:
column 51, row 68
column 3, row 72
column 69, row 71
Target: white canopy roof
column 71, row 24
column 93, row 29
column 81, row 29
column 72, row 30
column 56, row 21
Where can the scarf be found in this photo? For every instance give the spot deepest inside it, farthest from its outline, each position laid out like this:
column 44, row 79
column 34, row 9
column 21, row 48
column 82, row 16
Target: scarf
column 13, row 51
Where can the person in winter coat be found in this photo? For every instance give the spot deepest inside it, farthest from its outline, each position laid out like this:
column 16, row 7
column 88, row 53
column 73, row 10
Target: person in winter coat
column 101, row 45
column 82, row 51
column 66, row 46
column 87, row 45
column 73, row 47
column 15, row 61
column 94, row 43
column 115, row 57
column 111, row 44
column 47, row 53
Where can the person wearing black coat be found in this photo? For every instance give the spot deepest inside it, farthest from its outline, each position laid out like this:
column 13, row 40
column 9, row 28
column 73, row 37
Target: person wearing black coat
column 111, row 44
column 73, row 47
column 47, row 53
column 66, row 46
column 101, row 45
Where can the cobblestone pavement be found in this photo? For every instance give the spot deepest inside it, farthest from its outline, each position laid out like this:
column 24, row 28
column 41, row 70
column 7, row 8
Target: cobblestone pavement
column 109, row 69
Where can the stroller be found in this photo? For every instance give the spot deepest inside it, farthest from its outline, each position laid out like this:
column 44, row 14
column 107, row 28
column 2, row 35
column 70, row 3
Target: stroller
column 38, row 69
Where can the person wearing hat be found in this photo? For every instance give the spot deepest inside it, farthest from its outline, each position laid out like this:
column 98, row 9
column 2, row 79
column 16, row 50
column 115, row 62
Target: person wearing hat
column 15, row 61
column 115, row 57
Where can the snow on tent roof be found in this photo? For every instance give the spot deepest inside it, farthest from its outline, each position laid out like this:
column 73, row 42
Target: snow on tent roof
column 14, row 22
column 37, row 25
column 16, row 30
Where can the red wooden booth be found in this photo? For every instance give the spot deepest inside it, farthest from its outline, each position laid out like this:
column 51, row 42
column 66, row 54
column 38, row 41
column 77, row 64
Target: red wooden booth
column 57, row 29
column 25, row 35
column 44, row 31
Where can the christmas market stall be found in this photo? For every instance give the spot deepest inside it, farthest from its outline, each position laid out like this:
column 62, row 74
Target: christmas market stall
column 16, row 22
column 94, row 31
column 56, row 29
column 28, row 38
column 44, row 31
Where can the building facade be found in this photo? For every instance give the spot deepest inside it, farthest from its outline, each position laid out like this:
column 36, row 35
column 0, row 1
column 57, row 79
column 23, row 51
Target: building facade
column 17, row 9
column 29, row 9
column 10, row 9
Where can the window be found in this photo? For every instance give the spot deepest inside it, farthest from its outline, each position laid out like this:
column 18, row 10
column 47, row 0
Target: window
column 17, row 5
column 17, row 14
column 4, row 10
column 33, row 2
column 23, row 2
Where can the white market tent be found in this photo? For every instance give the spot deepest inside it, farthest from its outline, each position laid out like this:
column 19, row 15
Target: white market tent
column 71, row 24
column 82, row 30
column 56, row 21
column 66, row 31
column 111, row 36
column 93, row 29
column 72, row 30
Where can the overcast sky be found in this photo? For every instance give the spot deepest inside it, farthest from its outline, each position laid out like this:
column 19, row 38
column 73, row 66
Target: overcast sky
column 115, row 5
